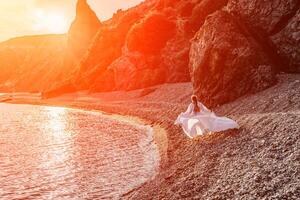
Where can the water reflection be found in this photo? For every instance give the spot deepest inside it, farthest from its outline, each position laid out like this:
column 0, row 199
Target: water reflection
column 57, row 119
column 57, row 153
column 59, row 139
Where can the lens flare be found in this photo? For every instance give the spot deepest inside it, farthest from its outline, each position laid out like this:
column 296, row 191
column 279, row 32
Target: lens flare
column 53, row 22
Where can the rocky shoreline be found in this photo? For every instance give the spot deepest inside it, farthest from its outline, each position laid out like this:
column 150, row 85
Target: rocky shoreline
column 260, row 161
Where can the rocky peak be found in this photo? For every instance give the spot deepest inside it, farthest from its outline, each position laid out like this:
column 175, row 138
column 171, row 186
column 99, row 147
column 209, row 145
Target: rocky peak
column 83, row 29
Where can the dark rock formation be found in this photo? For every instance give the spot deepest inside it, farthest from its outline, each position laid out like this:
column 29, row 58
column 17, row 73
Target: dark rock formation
column 264, row 16
column 226, row 62
column 175, row 55
column 276, row 22
column 201, row 11
column 83, row 29
column 287, row 42
column 256, row 36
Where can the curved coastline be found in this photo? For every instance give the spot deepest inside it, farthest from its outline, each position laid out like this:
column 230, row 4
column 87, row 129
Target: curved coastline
column 152, row 134
column 199, row 169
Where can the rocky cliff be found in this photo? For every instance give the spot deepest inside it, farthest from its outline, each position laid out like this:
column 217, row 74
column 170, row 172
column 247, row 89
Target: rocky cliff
column 33, row 63
column 239, row 49
column 227, row 48
column 82, row 30
column 144, row 46
column 227, row 62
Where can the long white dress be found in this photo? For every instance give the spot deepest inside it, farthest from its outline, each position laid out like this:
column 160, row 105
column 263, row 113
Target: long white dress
column 203, row 122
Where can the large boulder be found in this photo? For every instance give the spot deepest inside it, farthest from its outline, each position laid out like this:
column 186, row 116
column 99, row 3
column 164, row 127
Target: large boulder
column 175, row 58
column 83, row 29
column 201, row 11
column 265, row 16
column 226, row 62
column 175, row 55
column 276, row 23
column 287, row 42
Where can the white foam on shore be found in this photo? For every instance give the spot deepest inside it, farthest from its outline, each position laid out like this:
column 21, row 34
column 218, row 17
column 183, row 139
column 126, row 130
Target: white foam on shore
column 151, row 150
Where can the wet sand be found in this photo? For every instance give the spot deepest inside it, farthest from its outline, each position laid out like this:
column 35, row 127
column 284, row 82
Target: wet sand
column 261, row 160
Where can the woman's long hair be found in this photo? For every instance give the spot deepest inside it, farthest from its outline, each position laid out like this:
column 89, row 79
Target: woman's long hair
column 194, row 99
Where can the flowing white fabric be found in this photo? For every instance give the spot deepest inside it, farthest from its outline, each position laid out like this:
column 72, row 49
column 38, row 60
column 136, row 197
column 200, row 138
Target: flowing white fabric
column 203, row 122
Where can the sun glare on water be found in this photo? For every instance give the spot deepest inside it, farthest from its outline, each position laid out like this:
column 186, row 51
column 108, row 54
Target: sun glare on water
column 53, row 22
column 57, row 120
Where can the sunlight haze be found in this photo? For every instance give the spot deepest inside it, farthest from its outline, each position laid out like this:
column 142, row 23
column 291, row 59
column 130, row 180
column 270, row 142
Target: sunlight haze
column 32, row 17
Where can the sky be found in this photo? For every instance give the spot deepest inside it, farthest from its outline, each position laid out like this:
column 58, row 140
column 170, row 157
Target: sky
column 32, row 17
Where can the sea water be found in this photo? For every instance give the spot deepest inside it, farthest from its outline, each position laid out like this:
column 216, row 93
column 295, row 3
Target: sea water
column 60, row 153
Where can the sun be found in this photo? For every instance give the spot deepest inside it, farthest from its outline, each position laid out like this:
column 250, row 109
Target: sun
column 52, row 22
column 56, row 22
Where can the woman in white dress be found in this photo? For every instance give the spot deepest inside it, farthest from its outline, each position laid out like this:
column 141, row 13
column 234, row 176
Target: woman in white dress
column 198, row 120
